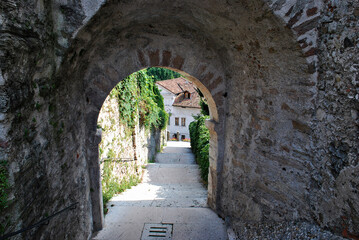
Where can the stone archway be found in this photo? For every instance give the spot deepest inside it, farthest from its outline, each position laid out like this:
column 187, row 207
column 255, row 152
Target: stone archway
column 248, row 78
column 257, row 58
column 98, row 91
column 94, row 137
column 248, row 72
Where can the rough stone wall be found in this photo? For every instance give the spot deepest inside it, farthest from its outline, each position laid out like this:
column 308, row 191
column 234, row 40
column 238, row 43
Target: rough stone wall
column 114, row 136
column 125, row 143
column 142, row 143
column 318, row 156
column 149, row 143
column 33, row 136
column 281, row 74
column 335, row 177
column 268, row 145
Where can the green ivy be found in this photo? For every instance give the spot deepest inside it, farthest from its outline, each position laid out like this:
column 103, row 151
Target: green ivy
column 126, row 93
column 140, row 101
column 138, row 95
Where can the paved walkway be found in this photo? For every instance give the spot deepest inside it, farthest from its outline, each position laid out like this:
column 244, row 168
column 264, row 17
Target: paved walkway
column 171, row 193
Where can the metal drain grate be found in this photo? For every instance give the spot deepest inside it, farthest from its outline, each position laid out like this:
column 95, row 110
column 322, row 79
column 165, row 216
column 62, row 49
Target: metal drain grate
column 157, row 231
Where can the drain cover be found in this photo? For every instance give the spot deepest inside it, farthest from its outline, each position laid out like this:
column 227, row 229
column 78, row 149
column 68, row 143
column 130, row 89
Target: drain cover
column 157, row 231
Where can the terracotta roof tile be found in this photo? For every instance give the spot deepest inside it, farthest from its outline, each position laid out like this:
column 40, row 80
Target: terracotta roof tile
column 179, row 86
column 192, row 102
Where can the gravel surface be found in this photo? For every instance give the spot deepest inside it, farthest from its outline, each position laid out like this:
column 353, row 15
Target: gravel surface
column 283, row 231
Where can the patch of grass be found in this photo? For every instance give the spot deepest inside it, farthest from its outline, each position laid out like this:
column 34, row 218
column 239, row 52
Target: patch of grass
column 112, row 185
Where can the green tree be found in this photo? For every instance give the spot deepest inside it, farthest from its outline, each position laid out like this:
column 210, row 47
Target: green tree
column 162, row 73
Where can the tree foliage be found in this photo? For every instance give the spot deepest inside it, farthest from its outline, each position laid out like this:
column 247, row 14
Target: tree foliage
column 162, row 73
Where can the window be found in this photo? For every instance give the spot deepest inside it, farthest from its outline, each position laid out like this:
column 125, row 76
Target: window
column 176, row 121
column 187, row 95
column 183, row 137
column 183, row 122
column 169, row 121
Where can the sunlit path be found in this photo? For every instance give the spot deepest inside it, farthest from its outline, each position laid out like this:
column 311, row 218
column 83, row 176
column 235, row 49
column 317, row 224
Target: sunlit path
column 171, row 193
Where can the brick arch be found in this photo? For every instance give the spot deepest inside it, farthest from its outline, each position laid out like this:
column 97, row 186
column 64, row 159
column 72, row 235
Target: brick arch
column 206, row 77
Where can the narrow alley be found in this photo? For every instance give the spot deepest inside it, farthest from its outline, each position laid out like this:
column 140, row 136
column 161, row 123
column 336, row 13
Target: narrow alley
column 171, row 199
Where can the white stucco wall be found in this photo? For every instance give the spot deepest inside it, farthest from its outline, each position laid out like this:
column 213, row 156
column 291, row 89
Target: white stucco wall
column 168, row 98
column 180, row 112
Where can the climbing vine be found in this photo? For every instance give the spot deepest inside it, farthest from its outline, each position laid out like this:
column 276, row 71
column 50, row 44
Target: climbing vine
column 203, row 103
column 139, row 103
column 126, row 93
column 138, row 95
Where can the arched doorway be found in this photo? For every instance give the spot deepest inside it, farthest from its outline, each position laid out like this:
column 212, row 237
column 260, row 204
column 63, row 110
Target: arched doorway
column 93, row 154
column 262, row 85
column 246, row 77
column 96, row 194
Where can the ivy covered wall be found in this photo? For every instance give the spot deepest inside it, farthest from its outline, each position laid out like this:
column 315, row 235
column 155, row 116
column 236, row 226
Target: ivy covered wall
column 131, row 120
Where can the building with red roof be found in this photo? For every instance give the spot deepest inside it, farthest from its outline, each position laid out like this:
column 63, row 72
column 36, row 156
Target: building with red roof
column 181, row 101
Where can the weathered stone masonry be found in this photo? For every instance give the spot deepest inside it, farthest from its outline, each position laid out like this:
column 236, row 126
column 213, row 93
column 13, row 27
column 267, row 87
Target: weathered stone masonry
column 281, row 77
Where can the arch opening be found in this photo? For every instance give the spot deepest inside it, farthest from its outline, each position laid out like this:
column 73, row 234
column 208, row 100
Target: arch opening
column 153, row 142
column 250, row 77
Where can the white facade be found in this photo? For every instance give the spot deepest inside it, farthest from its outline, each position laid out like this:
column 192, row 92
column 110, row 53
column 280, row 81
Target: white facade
column 179, row 113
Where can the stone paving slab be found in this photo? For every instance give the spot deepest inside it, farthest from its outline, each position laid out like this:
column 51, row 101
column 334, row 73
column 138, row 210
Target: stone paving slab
column 179, row 158
column 176, row 153
column 170, row 193
column 188, row 223
column 170, row 173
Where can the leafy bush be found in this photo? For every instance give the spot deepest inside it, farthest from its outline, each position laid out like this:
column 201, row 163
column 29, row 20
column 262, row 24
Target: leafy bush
column 199, row 135
column 163, row 119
